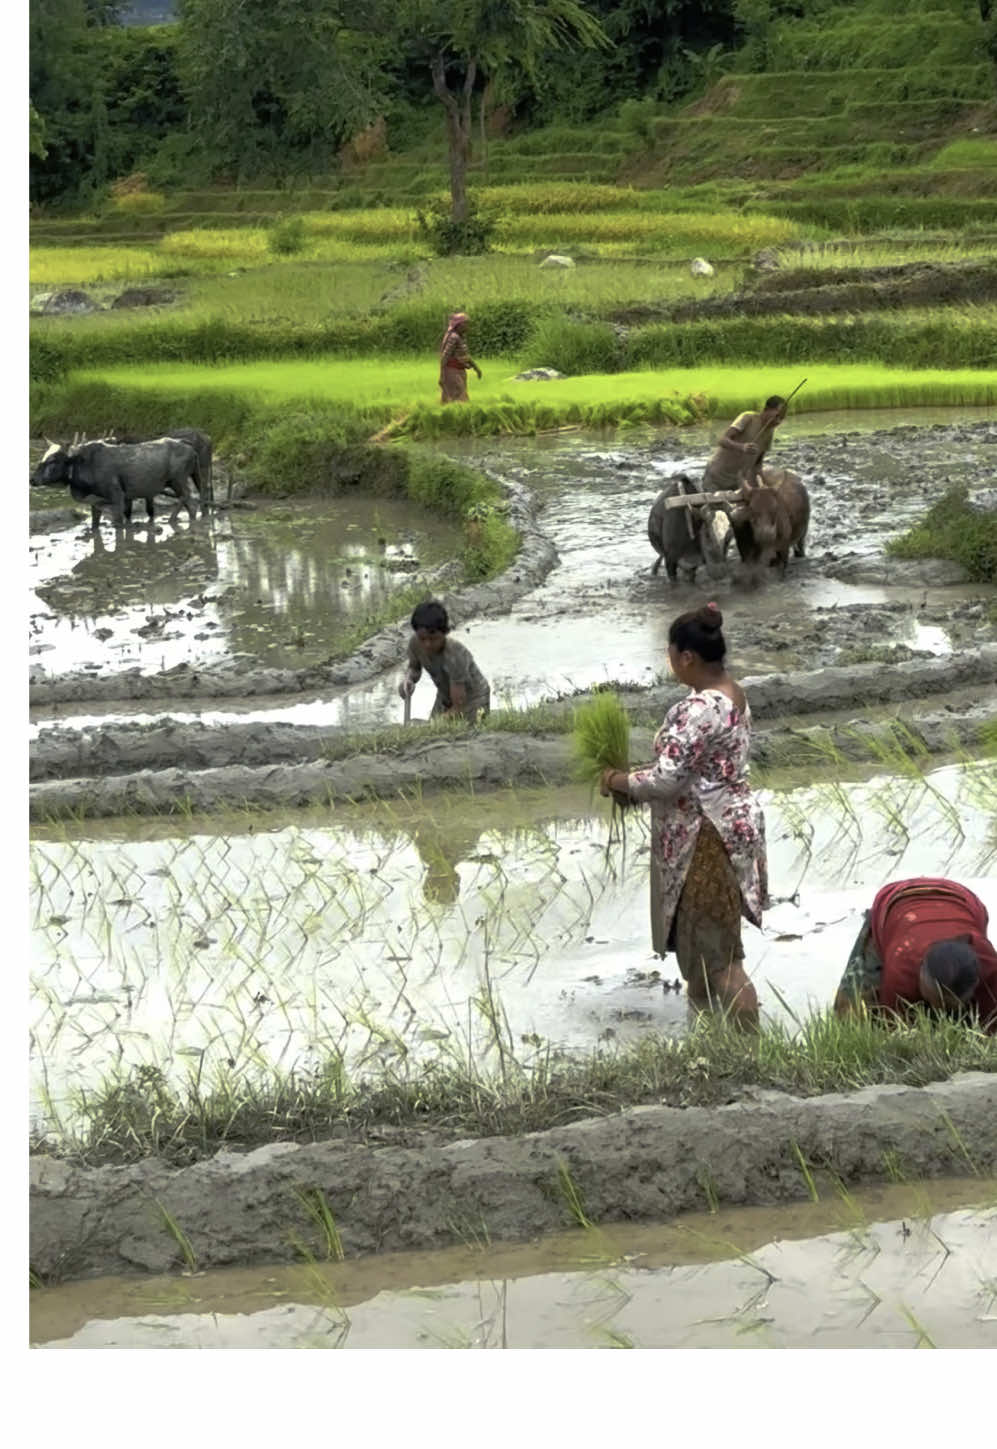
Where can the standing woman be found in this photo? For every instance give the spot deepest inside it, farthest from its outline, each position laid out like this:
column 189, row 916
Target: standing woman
column 455, row 359
column 708, row 863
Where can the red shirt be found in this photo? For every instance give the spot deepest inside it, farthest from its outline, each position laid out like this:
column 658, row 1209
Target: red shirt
column 909, row 916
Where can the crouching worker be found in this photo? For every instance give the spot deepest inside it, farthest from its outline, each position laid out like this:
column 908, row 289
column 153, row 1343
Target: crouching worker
column 923, row 942
column 461, row 688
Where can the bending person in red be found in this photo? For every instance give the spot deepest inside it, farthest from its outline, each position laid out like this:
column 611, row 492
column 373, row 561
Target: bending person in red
column 924, row 942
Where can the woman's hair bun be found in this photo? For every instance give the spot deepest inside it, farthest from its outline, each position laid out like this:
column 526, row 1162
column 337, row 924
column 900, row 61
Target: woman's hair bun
column 710, row 619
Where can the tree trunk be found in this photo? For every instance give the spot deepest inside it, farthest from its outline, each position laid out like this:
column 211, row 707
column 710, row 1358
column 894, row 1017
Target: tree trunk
column 458, row 109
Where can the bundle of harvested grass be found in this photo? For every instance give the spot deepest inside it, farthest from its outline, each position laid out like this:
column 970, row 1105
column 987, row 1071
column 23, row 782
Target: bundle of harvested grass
column 601, row 736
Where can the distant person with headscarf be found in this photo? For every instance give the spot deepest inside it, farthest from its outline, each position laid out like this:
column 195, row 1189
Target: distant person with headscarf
column 455, row 359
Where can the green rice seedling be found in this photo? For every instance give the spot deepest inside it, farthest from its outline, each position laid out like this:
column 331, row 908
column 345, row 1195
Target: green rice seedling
column 960, row 1144
column 178, row 1235
column 314, row 1201
column 571, row 1195
column 600, row 736
column 707, row 1183
column 807, row 1174
column 924, row 1339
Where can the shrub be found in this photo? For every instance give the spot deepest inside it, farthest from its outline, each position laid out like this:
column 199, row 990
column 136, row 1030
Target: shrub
column 287, row 237
column 573, row 347
column 448, row 238
column 139, row 203
column 637, row 120
column 953, row 528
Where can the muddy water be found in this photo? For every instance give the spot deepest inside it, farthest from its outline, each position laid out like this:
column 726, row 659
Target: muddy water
column 600, row 617
column 278, row 585
column 394, row 934
column 891, row 1267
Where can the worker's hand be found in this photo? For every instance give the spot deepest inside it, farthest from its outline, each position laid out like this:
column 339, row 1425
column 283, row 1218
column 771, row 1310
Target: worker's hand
column 609, row 783
column 406, row 687
column 478, row 371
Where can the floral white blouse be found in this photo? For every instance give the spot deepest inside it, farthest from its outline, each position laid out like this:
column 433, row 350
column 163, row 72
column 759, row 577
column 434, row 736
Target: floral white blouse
column 700, row 769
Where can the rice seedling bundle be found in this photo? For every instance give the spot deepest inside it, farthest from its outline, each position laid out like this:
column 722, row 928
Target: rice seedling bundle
column 600, row 739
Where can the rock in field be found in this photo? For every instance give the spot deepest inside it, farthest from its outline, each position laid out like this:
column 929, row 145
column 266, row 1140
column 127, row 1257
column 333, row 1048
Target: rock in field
column 70, row 301
column 700, row 267
column 767, row 260
column 554, row 260
column 538, row 374
column 144, row 297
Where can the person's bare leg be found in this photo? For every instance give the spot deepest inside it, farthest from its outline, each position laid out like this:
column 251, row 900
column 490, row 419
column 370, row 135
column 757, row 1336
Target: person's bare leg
column 735, row 995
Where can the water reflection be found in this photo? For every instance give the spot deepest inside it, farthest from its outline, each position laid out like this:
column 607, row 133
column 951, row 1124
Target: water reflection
column 441, row 850
column 884, row 1267
column 280, row 585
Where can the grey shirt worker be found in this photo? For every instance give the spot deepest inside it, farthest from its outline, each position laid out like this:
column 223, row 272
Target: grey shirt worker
column 454, row 664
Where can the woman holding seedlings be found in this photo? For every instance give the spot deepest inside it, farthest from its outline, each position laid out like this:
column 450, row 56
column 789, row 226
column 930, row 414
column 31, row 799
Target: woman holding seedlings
column 455, row 359
column 708, row 862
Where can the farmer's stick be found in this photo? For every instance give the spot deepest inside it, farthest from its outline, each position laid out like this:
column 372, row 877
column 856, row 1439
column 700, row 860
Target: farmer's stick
column 408, row 709
column 792, row 395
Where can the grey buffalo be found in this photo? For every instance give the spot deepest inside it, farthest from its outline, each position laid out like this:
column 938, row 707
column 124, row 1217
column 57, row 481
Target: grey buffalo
column 113, row 475
column 686, row 537
column 203, row 447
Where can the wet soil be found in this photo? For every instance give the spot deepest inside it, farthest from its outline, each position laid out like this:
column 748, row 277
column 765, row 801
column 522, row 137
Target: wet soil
column 846, row 602
column 668, row 1285
column 924, row 706
column 641, row 1165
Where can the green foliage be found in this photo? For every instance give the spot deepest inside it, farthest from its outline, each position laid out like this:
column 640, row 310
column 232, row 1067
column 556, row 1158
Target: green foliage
column 637, row 120
column 954, row 529
column 449, row 236
column 276, row 85
column 601, row 736
column 573, row 347
column 287, row 237
column 453, row 1093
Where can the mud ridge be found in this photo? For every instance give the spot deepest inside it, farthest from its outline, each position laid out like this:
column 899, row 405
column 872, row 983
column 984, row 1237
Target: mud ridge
column 534, row 561
column 645, row 1163
column 122, row 748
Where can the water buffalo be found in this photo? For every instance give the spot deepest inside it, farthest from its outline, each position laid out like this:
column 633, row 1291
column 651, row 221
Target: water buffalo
column 203, row 447
column 115, row 474
column 767, row 522
column 686, row 536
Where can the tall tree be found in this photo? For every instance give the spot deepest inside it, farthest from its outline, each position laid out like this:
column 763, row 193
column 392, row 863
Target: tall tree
column 271, row 82
column 64, row 89
column 468, row 43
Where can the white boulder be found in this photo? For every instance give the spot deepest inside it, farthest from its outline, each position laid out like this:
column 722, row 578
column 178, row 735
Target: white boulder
column 554, row 260
column 700, row 267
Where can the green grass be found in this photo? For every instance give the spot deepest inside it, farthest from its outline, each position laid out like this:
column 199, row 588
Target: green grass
column 391, row 232
column 952, row 528
column 382, row 389
column 140, row 1115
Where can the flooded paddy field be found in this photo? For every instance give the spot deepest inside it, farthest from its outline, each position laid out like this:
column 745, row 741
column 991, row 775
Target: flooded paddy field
column 277, row 585
column 505, row 923
column 598, row 616
column 898, row 1266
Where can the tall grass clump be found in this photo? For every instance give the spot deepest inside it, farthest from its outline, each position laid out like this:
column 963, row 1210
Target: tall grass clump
column 573, row 348
column 286, row 238
column 954, row 529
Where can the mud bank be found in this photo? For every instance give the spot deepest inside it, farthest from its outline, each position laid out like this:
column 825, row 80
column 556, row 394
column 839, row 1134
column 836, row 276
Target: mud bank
column 536, row 557
column 642, row 1164
column 268, row 766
